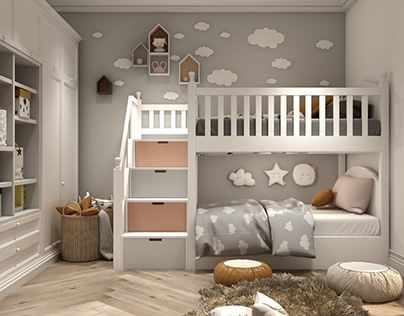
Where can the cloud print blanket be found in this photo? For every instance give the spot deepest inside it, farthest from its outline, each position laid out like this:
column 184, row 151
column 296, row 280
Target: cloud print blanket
column 249, row 227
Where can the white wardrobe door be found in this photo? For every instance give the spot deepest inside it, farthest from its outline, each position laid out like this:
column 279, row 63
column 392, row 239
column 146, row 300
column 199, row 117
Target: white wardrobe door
column 6, row 16
column 69, row 145
column 51, row 100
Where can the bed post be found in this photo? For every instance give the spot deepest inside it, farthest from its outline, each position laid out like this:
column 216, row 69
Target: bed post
column 192, row 177
column 384, row 161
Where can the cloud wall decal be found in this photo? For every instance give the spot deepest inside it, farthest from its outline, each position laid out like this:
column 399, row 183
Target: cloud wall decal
column 204, row 51
column 241, row 178
column 325, row 83
column 123, row 63
column 171, row 95
column 281, row 63
column 175, row 57
column 324, row 44
column 266, row 38
column 225, row 35
column 271, row 81
column 97, row 35
column 222, row 77
column 179, row 36
column 201, row 26
column 119, row 83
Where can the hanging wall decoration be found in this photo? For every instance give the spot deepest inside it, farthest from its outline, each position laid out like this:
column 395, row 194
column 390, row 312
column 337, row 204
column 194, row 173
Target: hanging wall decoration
column 325, row 83
column 266, row 38
column 225, row 35
column 189, row 70
column 139, row 55
column 97, row 35
column 271, row 81
column 304, row 175
column 104, row 86
column 123, row 63
column 276, row 175
column 159, row 51
column 201, row 26
column 175, row 58
column 119, row 83
column 242, row 178
column 170, row 95
column 179, row 36
column 204, row 51
column 281, row 63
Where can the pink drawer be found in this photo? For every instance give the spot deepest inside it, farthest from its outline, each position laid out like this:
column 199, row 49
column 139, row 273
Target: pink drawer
column 161, row 154
column 157, row 217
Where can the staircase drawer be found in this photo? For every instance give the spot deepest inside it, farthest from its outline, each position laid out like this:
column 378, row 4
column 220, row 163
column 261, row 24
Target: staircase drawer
column 159, row 182
column 154, row 253
column 161, row 154
column 7, row 232
column 157, row 217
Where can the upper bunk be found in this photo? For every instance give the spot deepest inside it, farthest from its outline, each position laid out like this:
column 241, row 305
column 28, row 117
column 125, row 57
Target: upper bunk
column 309, row 120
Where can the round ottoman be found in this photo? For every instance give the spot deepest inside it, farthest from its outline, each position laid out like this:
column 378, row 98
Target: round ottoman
column 374, row 283
column 233, row 271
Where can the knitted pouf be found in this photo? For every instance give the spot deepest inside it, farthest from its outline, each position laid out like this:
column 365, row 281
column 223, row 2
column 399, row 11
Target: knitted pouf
column 374, row 283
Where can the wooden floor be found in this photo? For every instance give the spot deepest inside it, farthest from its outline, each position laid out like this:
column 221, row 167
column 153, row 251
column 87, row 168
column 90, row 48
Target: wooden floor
column 95, row 289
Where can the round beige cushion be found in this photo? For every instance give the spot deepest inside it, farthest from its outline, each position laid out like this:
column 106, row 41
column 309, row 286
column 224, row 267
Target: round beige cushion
column 233, row 271
column 374, row 283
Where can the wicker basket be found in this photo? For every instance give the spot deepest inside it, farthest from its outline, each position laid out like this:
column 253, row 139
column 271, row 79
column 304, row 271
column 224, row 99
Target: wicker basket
column 80, row 238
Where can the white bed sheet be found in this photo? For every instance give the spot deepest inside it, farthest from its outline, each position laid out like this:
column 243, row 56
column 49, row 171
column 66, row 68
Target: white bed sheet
column 336, row 222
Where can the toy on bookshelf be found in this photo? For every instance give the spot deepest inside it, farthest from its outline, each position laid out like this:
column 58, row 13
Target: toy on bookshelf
column 19, row 162
column 22, row 103
column 3, row 127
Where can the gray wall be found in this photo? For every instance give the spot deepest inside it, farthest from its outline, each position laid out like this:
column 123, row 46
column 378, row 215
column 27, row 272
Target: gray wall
column 214, row 186
column 101, row 117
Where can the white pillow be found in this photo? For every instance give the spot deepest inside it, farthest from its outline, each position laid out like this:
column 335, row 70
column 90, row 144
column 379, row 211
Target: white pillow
column 266, row 306
column 231, row 311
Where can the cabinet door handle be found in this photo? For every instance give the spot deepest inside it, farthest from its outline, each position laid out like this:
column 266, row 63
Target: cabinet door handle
column 158, row 203
column 155, row 239
column 162, row 142
column 160, row 171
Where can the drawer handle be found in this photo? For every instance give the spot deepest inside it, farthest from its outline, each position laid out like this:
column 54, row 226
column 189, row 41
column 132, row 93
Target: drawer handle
column 18, row 249
column 160, row 171
column 162, row 142
column 18, row 224
column 158, row 203
column 155, row 239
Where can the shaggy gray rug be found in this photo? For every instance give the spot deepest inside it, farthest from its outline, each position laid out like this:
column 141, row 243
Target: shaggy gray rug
column 299, row 296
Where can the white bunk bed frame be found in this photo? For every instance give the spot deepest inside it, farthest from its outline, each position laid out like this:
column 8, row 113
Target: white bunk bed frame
column 329, row 249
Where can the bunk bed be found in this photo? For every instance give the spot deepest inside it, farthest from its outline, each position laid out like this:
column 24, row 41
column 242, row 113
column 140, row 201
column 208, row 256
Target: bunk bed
column 268, row 120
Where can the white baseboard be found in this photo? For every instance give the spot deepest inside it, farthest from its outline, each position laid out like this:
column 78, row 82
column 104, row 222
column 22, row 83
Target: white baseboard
column 396, row 261
column 27, row 272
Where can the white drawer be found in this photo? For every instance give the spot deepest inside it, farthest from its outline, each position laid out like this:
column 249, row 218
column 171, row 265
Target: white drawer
column 7, row 232
column 164, row 183
column 7, row 250
column 27, row 225
column 154, row 253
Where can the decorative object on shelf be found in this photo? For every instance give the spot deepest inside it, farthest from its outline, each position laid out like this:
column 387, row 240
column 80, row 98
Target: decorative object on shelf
column 189, row 70
column 159, row 51
column 304, row 174
column 281, row 63
column 3, row 127
column 266, row 38
column 19, row 162
column 104, row 86
column 170, row 95
column 222, row 77
column 139, row 55
column 276, row 175
column 22, row 103
column 201, row 26
column 242, row 178
column 19, row 203
column 324, row 44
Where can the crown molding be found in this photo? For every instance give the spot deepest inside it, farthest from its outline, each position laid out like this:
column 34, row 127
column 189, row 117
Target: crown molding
column 120, row 6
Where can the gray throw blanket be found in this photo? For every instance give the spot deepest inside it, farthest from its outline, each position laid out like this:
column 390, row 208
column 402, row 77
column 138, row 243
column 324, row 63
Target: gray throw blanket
column 247, row 227
column 106, row 236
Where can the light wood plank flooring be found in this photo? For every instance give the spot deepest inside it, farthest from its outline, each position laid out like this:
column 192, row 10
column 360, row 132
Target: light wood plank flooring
column 93, row 289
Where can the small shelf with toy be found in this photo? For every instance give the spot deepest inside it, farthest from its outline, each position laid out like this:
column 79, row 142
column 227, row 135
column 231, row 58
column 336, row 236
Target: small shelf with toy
column 140, row 56
column 189, row 70
column 159, row 51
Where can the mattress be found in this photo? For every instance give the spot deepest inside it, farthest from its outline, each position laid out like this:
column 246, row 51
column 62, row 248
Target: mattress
column 374, row 127
column 336, row 222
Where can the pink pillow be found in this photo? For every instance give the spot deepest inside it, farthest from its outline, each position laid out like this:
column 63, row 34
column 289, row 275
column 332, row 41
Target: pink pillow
column 353, row 194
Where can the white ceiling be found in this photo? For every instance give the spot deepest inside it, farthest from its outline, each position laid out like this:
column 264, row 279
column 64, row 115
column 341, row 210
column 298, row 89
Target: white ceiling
column 201, row 5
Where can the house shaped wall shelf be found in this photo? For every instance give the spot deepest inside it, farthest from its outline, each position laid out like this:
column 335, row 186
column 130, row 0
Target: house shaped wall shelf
column 189, row 67
column 140, row 56
column 159, row 51
column 104, row 86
